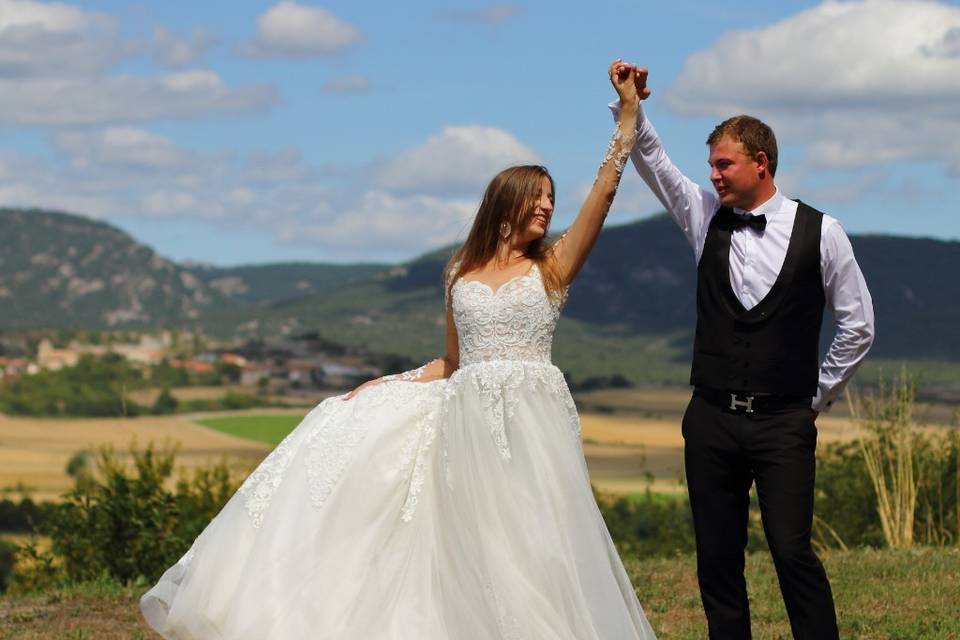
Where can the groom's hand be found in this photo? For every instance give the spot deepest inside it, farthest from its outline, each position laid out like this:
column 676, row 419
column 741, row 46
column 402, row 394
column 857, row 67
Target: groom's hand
column 639, row 79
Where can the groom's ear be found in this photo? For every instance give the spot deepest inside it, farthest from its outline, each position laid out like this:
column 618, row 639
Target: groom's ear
column 763, row 163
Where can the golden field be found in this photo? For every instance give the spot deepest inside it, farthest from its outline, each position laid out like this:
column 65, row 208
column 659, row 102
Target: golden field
column 631, row 440
column 34, row 452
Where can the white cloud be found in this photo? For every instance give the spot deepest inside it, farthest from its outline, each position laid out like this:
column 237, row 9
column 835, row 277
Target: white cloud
column 291, row 29
column 55, row 39
column 460, row 158
column 119, row 147
column 54, row 71
column 178, row 50
column 128, row 171
column 347, row 84
column 125, row 98
column 861, row 82
column 396, row 224
column 48, row 16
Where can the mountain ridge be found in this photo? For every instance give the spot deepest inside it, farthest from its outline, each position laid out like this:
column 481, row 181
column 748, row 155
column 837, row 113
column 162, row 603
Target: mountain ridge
column 58, row 269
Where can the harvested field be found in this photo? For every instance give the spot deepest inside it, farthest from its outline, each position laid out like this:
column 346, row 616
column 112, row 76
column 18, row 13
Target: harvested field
column 35, row 452
column 631, row 440
column 627, row 453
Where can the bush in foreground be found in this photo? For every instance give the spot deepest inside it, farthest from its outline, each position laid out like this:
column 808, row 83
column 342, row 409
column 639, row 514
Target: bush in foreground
column 124, row 523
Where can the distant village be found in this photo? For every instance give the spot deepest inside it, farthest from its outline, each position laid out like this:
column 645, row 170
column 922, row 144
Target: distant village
column 304, row 362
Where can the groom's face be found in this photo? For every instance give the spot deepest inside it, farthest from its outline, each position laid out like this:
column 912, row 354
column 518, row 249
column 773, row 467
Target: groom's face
column 734, row 174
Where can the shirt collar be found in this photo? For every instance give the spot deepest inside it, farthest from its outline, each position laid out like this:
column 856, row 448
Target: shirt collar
column 768, row 208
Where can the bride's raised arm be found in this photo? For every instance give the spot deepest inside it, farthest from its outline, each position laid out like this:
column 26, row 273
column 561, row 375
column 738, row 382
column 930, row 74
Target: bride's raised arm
column 574, row 246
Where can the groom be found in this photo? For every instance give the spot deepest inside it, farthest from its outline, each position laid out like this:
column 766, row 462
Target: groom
column 767, row 266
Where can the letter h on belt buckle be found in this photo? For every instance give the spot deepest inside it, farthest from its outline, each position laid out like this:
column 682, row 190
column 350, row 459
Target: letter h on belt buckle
column 747, row 404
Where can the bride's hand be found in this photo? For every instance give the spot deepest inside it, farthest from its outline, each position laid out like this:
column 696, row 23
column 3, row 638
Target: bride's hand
column 623, row 78
column 368, row 383
column 639, row 79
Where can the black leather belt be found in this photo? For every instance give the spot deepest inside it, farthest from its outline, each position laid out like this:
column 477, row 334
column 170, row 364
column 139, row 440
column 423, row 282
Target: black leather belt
column 742, row 402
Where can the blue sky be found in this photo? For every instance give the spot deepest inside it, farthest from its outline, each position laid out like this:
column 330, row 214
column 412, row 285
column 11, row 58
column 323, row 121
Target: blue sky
column 237, row 132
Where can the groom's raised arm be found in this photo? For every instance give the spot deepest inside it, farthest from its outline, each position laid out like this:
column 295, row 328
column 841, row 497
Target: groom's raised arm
column 691, row 206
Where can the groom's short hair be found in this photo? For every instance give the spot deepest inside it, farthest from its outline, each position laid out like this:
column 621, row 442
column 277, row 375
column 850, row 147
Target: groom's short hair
column 752, row 133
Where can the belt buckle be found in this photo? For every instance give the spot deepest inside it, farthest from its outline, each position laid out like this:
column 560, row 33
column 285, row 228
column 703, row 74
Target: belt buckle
column 746, row 403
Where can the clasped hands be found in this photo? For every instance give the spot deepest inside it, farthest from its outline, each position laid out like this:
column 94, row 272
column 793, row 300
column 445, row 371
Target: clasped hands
column 622, row 73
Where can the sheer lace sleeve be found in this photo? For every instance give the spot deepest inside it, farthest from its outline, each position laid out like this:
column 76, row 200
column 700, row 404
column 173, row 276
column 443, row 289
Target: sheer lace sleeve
column 413, row 375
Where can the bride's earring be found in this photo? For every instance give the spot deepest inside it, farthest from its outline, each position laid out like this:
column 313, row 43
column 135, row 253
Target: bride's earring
column 505, row 229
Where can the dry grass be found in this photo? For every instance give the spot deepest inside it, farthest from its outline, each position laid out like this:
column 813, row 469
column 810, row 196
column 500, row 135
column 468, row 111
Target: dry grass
column 74, row 616
column 627, row 452
column 35, row 452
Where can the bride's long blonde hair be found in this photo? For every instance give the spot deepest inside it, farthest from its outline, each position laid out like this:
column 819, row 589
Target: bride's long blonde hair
column 511, row 198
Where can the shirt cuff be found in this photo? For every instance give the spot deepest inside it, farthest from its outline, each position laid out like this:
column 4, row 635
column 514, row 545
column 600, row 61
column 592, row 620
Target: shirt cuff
column 615, row 110
column 820, row 404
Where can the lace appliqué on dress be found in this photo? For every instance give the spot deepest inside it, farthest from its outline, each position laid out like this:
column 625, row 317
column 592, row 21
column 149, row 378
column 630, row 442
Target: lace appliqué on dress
column 259, row 487
column 415, row 453
column 507, row 624
column 502, row 383
column 515, row 322
column 505, row 339
column 409, row 376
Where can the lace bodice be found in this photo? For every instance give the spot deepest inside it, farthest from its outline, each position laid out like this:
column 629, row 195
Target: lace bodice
column 515, row 322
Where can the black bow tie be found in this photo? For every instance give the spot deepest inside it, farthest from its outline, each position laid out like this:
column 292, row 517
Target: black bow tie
column 741, row 220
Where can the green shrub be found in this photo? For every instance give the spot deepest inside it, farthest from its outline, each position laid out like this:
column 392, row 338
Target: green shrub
column 93, row 387
column 911, row 481
column 234, row 400
column 21, row 517
column 7, row 554
column 165, row 403
column 125, row 523
column 649, row 525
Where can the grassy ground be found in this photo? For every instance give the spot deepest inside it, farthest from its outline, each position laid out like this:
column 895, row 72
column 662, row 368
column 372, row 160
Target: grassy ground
column 262, row 428
column 895, row 595
column 903, row 595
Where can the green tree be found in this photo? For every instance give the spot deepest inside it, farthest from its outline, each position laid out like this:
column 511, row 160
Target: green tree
column 165, row 403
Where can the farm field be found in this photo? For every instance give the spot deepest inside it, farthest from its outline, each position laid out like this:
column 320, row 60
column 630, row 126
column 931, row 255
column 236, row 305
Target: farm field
column 34, row 452
column 631, row 439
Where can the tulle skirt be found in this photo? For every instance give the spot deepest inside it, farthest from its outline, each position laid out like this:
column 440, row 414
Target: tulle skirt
column 457, row 509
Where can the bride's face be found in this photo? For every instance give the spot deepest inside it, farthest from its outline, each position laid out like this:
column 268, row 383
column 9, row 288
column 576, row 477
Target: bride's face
column 538, row 220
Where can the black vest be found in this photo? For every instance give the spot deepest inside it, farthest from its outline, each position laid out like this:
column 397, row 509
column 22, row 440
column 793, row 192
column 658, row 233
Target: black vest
column 773, row 347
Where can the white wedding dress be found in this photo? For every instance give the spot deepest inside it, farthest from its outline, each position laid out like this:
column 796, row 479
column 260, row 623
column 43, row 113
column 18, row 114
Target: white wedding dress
column 457, row 509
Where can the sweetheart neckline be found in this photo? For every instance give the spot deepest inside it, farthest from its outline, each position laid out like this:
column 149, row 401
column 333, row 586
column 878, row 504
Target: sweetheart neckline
column 494, row 292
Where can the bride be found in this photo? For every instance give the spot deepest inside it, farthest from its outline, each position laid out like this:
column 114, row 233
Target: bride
column 451, row 502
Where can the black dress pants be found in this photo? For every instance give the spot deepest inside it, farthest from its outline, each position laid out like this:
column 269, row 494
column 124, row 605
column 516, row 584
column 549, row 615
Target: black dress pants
column 725, row 452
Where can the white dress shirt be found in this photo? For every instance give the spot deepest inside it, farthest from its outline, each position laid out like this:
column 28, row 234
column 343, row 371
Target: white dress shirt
column 757, row 256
